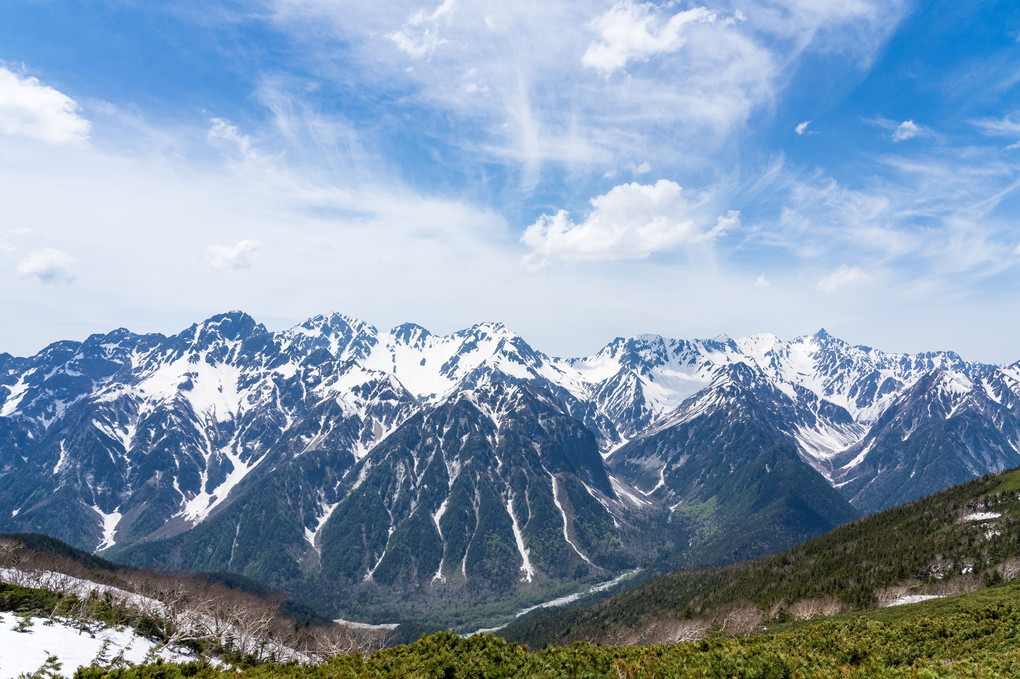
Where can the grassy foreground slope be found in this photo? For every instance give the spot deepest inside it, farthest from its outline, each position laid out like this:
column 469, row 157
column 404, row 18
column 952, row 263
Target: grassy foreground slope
column 955, row 540
column 970, row 635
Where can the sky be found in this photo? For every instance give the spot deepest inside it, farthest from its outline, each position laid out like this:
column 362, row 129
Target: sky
column 576, row 170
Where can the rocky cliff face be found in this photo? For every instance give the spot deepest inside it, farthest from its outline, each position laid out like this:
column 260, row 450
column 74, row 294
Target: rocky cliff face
column 336, row 459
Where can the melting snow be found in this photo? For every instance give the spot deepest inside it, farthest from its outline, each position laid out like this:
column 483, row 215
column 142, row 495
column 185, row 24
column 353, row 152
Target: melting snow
column 109, row 523
column 562, row 601
column 25, row 652
column 365, row 625
column 63, row 459
column 912, row 599
column 13, row 400
column 556, row 500
column 626, row 494
column 213, row 393
column 198, row 508
column 526, row 567
column 327, row 511
column 436, row 518
column 982, row 516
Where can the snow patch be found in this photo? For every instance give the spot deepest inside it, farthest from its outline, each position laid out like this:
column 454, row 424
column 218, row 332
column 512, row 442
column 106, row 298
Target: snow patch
column 312, row 535
column 622, row 491
column 561, row 601
column 556, row 501
column 198, row 508
column 912, row 599
column 526, row 567
column 365, row 625
column 14, row 398
column 981, row 516
column 109, row 524
column 436, row 518
column 25, row 652
column 62, row 460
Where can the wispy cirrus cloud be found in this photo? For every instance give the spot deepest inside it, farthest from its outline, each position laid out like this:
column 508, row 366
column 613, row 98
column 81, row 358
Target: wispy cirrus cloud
column 224, row 133
column 527, row 84
column 843, row 276
column 421, row 34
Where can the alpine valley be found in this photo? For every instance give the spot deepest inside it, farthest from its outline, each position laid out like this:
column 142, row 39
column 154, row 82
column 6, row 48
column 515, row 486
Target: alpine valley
column 402, row 475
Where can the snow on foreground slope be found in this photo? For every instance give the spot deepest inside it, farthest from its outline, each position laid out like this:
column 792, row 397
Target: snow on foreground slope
column 28, row 650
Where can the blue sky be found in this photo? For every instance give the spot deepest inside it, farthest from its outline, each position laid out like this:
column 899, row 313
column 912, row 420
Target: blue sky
column 576, row 170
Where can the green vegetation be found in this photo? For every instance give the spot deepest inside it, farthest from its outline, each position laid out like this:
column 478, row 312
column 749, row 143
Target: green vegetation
column 923, row 546
column 971, row 635
column 27, row 601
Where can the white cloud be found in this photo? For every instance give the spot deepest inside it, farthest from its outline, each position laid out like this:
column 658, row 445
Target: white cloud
column 420, row 35
column 631, row 221
column 908, row 129
column 1017, row 251
column 1007, row 126
column 222, row 131
column 845, row 275
column 762, row 282
column 236, row 256
column 633, row 32
column 530, row 99
column 802, row 127
column 8, row 238
column 47, row 266
column 36, row 111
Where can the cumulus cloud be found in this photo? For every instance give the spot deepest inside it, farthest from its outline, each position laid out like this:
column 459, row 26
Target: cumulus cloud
column 908, row 129
column 223, row 132
column 844, row 275
column 631, row 221
column 762, row 282
column 420, row 35
column 802, row 127
column 232, row 256
column 36, row 111
column 633, row 32
column 47, row 266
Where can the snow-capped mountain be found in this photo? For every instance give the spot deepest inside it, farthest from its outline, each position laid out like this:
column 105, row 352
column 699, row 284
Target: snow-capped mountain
column 337, row 457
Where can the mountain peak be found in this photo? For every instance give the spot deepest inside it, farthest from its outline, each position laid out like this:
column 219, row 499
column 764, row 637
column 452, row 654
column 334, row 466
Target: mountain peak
column 336, row 323
column 411, row 334
column 231, row 325
column 490, row 328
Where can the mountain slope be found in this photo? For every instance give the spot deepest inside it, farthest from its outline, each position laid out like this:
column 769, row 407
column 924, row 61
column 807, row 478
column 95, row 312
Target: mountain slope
column 372, row 469
column 944, row 543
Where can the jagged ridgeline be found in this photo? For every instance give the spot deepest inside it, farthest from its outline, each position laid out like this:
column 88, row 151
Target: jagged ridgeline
column 396, row 473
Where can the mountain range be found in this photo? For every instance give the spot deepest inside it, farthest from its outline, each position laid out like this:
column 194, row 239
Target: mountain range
column 400, row 472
